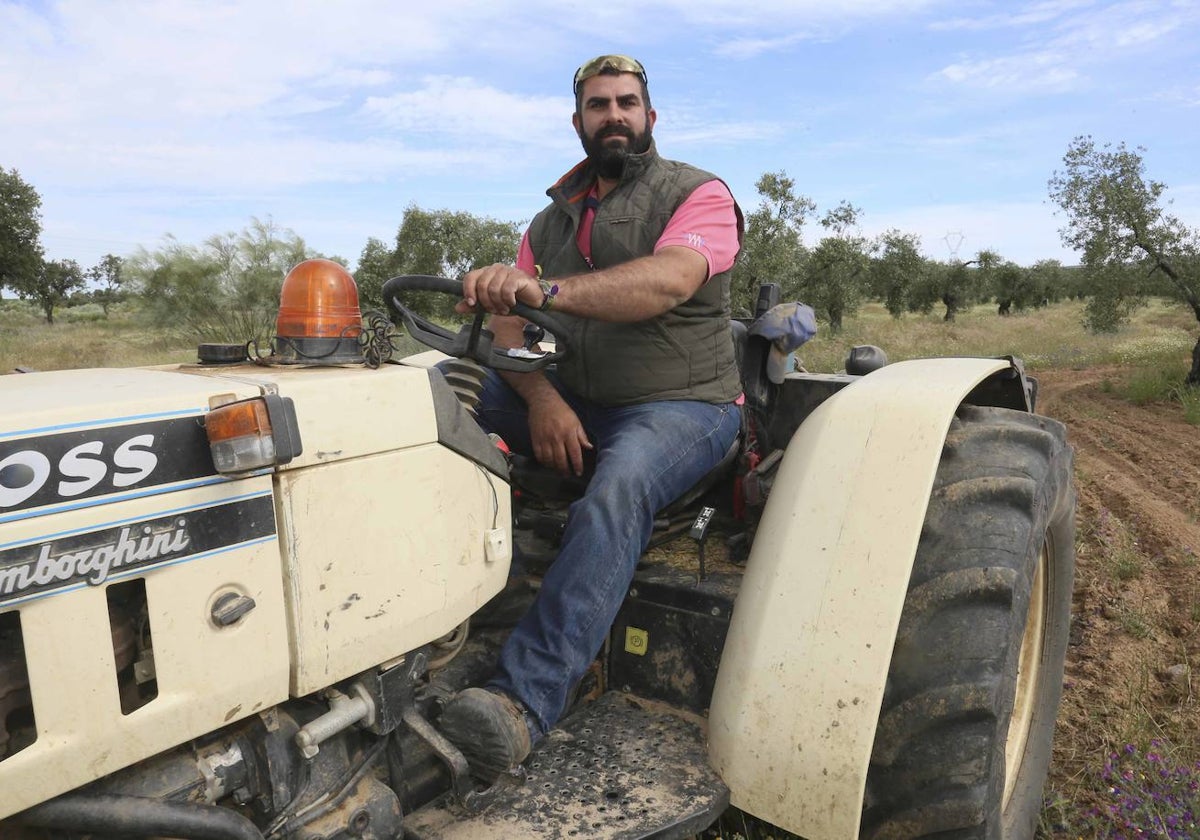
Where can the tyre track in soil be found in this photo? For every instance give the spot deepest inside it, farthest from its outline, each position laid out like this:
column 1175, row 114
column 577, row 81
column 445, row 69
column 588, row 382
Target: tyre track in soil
column 1139, row 465
column 1142, row 462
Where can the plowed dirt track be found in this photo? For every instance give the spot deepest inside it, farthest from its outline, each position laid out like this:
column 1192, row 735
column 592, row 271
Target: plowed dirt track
column 1136, row 614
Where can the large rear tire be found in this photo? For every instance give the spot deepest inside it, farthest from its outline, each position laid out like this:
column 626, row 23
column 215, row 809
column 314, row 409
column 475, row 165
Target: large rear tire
column 963, row 743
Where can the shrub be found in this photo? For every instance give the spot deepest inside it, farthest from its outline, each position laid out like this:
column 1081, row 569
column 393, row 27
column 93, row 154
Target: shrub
column 84, row 314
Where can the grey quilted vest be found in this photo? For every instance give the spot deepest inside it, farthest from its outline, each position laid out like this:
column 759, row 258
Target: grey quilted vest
column 685, row 353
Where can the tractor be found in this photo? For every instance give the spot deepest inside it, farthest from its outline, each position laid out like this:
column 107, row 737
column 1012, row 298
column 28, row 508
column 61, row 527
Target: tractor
column 236, row 594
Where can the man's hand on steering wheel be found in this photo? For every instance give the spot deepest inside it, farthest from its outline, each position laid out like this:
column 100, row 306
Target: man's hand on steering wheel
column 497, row 288
column 474, row 340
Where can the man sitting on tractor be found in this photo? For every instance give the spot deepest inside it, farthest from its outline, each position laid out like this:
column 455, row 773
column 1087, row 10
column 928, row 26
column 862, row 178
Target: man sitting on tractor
column 635, row 251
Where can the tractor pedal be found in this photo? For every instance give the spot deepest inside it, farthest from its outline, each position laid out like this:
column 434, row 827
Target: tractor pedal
column 613, row 768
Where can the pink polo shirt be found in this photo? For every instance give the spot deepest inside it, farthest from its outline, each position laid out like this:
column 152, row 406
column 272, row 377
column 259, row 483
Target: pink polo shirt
column 705, row 222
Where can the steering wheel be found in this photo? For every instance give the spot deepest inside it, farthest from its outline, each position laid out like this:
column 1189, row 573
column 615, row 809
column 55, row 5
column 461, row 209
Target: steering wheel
column 473, row 341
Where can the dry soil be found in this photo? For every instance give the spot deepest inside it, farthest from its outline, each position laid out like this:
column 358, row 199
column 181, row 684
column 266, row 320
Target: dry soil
column 1136, row 614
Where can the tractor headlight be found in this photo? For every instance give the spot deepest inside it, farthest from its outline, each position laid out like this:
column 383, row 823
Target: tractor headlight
column 251, row 434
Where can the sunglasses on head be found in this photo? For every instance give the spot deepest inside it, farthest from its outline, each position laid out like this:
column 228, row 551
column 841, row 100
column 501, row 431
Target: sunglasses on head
column 619, row 63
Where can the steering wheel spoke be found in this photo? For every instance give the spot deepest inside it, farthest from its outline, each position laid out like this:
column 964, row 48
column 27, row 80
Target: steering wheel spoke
column 474, row 340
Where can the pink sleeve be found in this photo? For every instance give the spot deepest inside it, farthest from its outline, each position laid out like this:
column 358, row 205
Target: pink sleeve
column 706, row 223
column 525, row 257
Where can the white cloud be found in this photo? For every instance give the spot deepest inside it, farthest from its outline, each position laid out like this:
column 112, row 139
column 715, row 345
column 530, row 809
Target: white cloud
column 215, row 60
column 771, row 15
column 1034, row 14
column 1021, row 74
column 746, row 48
column 704, row 124
column 225, row 167
column 793, row 22
column 1123, row 26
column 1064, row 42
column 717, row 133
column 465, row 108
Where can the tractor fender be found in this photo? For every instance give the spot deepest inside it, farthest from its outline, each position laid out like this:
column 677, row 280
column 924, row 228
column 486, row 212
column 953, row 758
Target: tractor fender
column 805, row 662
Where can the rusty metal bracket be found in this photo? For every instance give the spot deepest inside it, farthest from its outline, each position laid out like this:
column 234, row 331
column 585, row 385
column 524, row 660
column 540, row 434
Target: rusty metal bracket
column 462, row 787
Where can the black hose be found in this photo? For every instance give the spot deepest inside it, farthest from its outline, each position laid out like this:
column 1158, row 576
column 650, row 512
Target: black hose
column 138, row 816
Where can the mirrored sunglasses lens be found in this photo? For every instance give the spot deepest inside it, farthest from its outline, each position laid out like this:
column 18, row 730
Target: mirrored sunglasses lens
column 620, row 63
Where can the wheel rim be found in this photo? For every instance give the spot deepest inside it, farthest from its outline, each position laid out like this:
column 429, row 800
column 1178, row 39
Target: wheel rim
column 1028, row 677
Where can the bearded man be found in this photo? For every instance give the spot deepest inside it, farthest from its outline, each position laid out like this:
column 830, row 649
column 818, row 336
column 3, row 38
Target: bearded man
column 635, row 252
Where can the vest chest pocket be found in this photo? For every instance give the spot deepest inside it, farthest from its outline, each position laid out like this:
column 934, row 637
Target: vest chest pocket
column 621, row 238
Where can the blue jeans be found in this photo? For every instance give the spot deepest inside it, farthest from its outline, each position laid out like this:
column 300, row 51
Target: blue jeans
column 647, row 456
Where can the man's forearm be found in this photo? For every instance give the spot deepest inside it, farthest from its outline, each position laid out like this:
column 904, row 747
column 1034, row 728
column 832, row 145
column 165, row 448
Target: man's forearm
column 635, row 290
column 534, row 388
column 531, row 387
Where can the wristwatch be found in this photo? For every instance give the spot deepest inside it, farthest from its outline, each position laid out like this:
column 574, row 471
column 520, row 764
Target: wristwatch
column 549, row 290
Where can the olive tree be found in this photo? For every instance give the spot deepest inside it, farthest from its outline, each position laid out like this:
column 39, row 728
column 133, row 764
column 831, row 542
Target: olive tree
column 1011, row 286
column 837, row 271
column 897, row 271
column 957, row 285
column 1051, row 278
column 1116, row 219
column 773, row 246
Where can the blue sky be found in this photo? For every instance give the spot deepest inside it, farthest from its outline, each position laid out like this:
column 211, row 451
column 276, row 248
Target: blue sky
column 138, row 119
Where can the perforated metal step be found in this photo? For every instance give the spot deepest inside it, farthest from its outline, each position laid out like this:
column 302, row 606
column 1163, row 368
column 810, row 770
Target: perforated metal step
column 614, row 769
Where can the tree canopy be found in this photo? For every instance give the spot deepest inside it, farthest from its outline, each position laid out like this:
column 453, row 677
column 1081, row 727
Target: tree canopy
column 108, row 275
column 443, row 243
column 20, row 232
column 1115, row 217
column 50, row 287
column 773, row 246
column 898, row 272
column 836, row 274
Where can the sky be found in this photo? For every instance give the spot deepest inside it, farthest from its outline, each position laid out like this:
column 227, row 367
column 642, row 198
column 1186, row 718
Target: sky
column 139, row 119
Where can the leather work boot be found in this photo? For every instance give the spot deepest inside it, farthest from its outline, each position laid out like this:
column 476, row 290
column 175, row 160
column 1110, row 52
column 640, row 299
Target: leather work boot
column 489, row 729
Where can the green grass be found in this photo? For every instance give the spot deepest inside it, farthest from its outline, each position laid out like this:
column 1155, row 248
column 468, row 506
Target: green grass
column 82, row 337
column 1163, row 382
column 1120, row 559
column 82, row 340
column 1189, row 398
column 1052, row 337
column 1134, row 622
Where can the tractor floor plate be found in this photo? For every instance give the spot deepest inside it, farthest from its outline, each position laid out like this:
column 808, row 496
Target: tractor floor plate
column 615, row 768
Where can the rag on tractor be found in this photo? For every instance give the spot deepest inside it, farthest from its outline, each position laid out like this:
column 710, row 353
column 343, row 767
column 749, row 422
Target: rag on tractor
column 235, row 595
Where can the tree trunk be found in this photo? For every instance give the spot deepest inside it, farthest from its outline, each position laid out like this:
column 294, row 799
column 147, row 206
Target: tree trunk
column 951, row 302
column 1193, row 377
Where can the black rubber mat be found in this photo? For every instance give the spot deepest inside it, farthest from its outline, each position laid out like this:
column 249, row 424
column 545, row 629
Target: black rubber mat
column 613, row 769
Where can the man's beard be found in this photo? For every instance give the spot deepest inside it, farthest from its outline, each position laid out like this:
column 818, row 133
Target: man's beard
column 609, row 159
